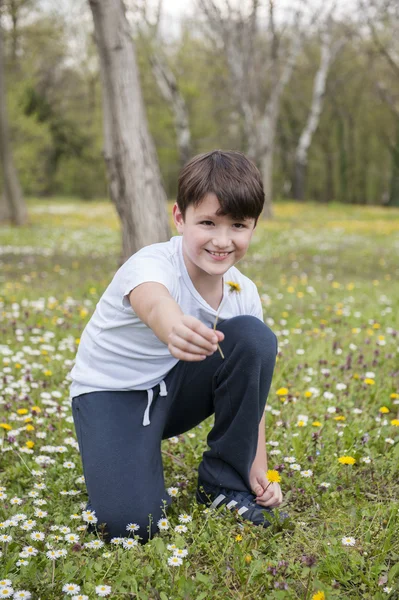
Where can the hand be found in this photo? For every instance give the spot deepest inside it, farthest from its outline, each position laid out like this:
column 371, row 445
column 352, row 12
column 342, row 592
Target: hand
column 191, row 340
column 267, row 494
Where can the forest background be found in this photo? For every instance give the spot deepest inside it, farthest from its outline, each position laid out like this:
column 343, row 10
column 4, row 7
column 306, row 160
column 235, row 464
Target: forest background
column 54, row 94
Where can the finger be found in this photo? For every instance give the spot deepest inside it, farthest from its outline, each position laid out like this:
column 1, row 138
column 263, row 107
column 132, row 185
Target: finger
column 185, row 346
column 199, row 336
column 210, row 335
column 187, row 356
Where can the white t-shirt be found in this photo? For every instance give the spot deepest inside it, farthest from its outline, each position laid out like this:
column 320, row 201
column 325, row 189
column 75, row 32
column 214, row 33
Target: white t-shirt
column 118, row 351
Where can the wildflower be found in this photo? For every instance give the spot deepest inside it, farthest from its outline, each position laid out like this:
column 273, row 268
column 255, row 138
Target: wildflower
column 185, row 518
column 316, row 424
column 5, row 426
column 325, row 484
column 233, row 286
column 318, row 596
column 6, row 592
column 62, row 552
column 384, row 409
column 69, row 464
column 340, row 418
column 307, row 473
column 348, row 541
column 28, row 525
column 180, row 552
column 16, row 500
column 103, row 590
column 22, row 563
column 5, row 583
column 347, row 460
column 175, row 561
column 37, row 535
column 80, row 597
column 40, row 513
column 238, row 538
column 22, row 595
column 389, row 441
column 129, row 543
column 5, row 538
column 30, row 550
column 163, row 524
column 52, row 554
column 171, row 547
column 395, row 422
column 394, row 395
column 387, row 589
column 369, row 381
column 94, row 544
column 89, row 516
column 132, row 527
column 173, row 491
column 366, row 459
column 248, row 558
column 295, row 467
column 282, row 391
column 117, row 541
column 181, row 528
column 72, row 538
column 71, row 589
column 273, row 476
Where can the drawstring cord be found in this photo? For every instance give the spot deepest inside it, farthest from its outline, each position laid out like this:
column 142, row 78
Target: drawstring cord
column 150, row 396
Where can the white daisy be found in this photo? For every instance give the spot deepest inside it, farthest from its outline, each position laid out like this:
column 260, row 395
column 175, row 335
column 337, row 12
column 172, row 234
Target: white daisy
column 22, row 595
column 72, row 538
column 348, row 541
column 132, row 527
column 129, row 543
column 6, row 592
column 184, row 518
column 307, row 473
column 103, row 590
column 163, row 524
column 180, row 552
column 181, row 528
column 173, row 491
column 117, row 541
column 71, row 589
column 175, row 561
column 37, row 535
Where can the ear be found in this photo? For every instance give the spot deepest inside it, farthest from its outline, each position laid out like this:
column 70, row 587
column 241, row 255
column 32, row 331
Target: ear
column 178, row 218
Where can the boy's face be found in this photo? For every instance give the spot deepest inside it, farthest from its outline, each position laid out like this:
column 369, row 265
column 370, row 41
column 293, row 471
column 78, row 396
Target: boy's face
column 211, row 244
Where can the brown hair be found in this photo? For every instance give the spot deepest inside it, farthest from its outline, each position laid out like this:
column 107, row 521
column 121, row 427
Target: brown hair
column 230, row 175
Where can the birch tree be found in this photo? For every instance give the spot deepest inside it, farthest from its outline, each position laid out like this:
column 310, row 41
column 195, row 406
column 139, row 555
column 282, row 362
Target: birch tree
column 132, row 166
column 329, row 50
column 242, row 41
column 149, row 31
column 12, row 205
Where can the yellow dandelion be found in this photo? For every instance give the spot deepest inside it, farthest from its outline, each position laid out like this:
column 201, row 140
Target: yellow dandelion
column 29, row 428
column 340, row 418
column 369, row 381
column 394, row 395
column 238, row 538
column 282, row 391
column 48, row 373
column 316, row 424
column 248, row 558
column 395, row 422
column 318, row 596
column 273, row 476
column 384, row 409
column 233, row 286
column 22, row 411
column 5, row 426
column 29, row 444
column 308, row 394
column 301, row 424
column 36, row 409
column 347, row 460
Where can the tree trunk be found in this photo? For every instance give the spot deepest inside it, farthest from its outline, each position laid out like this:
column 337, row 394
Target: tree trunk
column 394, row 186
column 319, row 88
column 132, row 167
column 16, row 210
column 168, row 87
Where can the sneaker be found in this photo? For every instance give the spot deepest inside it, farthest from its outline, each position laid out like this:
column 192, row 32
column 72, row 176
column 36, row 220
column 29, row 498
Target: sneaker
column 242, row 502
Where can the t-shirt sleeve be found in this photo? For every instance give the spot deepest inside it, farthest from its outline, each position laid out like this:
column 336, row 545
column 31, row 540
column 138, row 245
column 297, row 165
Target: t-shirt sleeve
column 144, row 269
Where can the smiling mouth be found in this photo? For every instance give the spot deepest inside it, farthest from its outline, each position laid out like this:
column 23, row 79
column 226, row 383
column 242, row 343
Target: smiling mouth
column 218, row 253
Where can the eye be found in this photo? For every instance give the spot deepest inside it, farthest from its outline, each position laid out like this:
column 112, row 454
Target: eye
column 206, row 223
column 240, row 225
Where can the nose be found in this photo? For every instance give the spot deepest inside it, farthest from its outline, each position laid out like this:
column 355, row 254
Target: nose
column 222, row 240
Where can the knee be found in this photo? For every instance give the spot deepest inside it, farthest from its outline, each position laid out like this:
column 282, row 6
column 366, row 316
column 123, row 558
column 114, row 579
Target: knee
column 252, row 334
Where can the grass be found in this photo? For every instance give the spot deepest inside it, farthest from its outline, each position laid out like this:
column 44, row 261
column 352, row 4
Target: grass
column 328, row 277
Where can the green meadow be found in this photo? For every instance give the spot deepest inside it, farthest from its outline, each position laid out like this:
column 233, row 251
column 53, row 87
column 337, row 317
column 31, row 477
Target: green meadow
column 328, row 277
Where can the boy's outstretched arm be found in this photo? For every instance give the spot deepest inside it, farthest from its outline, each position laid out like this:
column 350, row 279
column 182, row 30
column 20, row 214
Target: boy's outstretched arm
column 187, row 338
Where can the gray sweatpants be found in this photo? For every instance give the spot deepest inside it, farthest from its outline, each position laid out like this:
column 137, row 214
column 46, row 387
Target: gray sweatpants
column 121, row 458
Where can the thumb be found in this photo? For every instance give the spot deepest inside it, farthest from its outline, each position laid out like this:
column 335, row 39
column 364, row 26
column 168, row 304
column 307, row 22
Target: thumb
column 258, row 489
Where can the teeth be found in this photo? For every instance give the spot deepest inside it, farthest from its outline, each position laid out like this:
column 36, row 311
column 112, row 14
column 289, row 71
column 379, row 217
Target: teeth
column 219, row 253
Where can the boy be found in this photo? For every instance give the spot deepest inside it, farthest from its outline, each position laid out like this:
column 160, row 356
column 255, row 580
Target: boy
column 150, row 364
